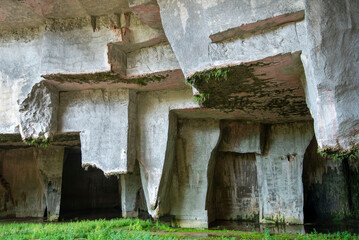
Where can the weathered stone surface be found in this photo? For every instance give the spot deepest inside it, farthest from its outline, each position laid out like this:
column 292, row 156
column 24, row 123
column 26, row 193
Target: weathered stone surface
column 130, row 193
column 22, row 193
column 20, row 64
column 280, row 172
column 171, row 79
column 242, row 137
column 23, row 61
column 196, row 141
column 106, row 120
column 188, row 25
column 331, row 58
column 148, row 11
column 38, row 112
column 50, row 162
column 77, row 50
column 153, row 136
column 29, row 13
column 152, row 59
column 266, row 90
column 236, row 187
column 88, row 50
column 260, row 27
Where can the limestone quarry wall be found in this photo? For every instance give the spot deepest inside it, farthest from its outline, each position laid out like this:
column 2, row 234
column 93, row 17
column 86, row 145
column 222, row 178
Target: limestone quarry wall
column 202, row 110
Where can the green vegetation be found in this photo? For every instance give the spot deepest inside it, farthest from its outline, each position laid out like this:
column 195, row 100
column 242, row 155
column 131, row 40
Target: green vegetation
column 207, row 75
column 38, row 141
column 138, row 229
column 217, row 74
column 201, row 97
column 338, row 154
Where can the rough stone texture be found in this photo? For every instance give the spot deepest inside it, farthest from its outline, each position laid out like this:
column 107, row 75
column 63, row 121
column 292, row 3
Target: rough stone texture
column 234, row 194
column 38, row 112
column 259, row 46
column 106, row 121
column 50, row 163
column 171, row 79
column 23, row 61
column 130, row 193
column 235, row 187
column 103, row 46
column 188, row 25
column 330, row 60
column 135, row 36
column 152, row 59
column 148, row 11
column 77, row 50
column 153, row 133
column 241, row 137
column 141, row 32
column 280, row 172
column 266, row 90
column 24, row 194
column 20, row 64
column 262, row 26
column 29, row 13
column 196, row 140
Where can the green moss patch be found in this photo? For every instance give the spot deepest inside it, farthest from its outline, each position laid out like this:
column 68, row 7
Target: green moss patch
column 37, row 142
column 238, row 88
column 10, row 138
column 337, row 153
column 66, row 137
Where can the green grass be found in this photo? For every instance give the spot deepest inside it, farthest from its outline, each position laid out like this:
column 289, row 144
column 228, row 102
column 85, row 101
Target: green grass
column 138, row 229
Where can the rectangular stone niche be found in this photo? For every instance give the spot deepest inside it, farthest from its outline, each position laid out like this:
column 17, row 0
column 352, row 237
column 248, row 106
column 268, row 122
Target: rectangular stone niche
column 235, row 187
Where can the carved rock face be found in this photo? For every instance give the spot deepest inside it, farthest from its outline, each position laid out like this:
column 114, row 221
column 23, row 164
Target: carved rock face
column 38, row 112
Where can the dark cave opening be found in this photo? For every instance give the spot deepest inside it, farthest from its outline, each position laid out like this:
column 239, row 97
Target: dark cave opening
column 86, row 192
column 330, row 187
column 235, row 188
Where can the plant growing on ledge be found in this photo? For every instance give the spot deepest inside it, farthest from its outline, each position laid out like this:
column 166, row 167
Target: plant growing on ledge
column 200, row 98
column 207, row 75
column 338, row 154
column 37, row 141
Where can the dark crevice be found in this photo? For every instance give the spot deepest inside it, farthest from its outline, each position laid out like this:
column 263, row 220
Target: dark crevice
column 346, row 172
column 87, row 193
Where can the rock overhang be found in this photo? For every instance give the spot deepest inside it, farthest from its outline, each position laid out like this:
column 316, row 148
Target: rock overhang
column 144, row 82
column 271, row 88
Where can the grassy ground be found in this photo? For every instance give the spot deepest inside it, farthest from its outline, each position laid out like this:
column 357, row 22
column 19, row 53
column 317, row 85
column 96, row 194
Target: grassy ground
column 137, row 229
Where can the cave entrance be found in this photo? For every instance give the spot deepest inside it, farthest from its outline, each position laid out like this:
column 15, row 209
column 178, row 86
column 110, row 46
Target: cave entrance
column 235, row 188
column 86, row 192
column 330, row 188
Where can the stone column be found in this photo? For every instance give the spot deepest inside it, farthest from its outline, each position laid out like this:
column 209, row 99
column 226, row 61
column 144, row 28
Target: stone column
column 130, row 187
column 50, row 163
column 195, row 147
column 280, row 170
